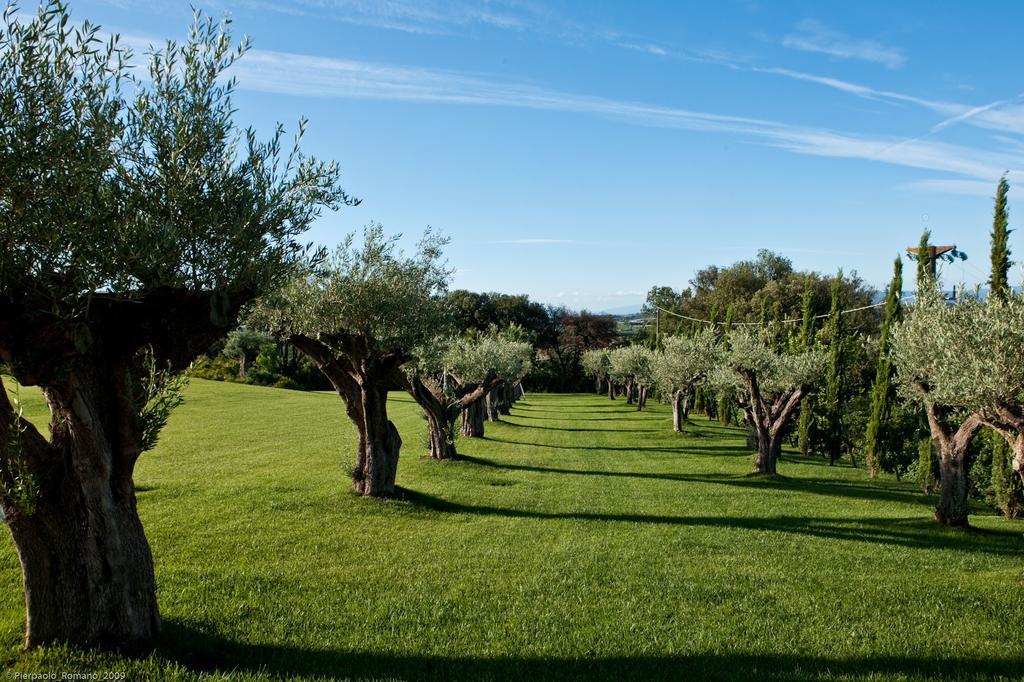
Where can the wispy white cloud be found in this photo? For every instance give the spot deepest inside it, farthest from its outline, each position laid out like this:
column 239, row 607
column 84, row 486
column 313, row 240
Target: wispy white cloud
column 306, row 75
column 814, row 36
column 859, row 90
column 999, row 115
column 419, row 16
column 296, row 74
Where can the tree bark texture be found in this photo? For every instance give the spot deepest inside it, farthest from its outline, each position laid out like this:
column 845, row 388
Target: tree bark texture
column 491, row 406
column 473, row 420
column 87, row 568
column 362, row 383
column 86, row 564
column 952, row 509
column 505, row 394
column 680, row 410
column 767, row 416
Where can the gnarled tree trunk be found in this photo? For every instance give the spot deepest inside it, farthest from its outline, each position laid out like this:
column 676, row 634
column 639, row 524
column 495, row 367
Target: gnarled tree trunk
column 767, row 417
column 769, row 447
column 491, row 406
column 952, row 509
column 680, row 410
column 376, row 477
column 86, row 564
column 440, row 424
column 629, row 393
column 505, row 398
column 440, row 432
column 363, row 386
column 473, row 420
column 611, row 389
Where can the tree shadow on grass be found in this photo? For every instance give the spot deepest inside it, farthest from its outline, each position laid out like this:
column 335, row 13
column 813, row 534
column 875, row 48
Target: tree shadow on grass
column 681, row 450
column 574, row 430
column 620, row 408
column 738, row 450
column 199, row 648
column 911, row 533
column 817, row 486
column 565, row 418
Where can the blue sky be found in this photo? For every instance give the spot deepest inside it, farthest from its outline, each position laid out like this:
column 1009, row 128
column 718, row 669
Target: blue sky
column 582, row 152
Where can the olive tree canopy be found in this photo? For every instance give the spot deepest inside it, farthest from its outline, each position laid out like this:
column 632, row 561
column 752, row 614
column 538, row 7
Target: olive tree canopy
column 358, row 317
column 963, row 361
column 769, row 386
column 136, row 219
column 682, row 365
column 633, row 367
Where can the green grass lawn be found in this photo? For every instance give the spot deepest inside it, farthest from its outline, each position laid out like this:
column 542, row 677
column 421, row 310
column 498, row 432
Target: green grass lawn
column 579, row 539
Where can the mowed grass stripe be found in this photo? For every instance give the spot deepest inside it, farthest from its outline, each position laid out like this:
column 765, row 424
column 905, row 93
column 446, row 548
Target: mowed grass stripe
column 581, row 538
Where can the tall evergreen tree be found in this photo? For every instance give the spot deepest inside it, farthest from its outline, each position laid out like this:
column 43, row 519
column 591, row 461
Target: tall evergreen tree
column 806, row 342
column 998, row 281
column 883, row 393
column 706, row 399
column 832, row 396
column 724, row 406
column 778, row 327
column 1006, row 488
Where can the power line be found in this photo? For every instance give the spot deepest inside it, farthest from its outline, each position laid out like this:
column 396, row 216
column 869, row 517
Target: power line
column 798, row 319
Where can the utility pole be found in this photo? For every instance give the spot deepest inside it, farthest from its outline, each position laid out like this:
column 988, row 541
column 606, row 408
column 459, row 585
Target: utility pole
column 934, row 253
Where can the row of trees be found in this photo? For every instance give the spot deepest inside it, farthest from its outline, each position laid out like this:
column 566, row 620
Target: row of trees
column 767, row 381
column 962, row 361
column 910, row 390
column 560, row 336
column 140, row 227
column 140, row 230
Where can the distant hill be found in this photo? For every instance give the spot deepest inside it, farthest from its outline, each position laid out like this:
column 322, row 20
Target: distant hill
column 632, row 309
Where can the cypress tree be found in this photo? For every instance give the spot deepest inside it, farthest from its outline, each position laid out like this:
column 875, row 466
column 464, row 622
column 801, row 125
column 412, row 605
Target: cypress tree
column 998, row 284
column 883, row 392
column 806, row 341
column 925, row 280
column 834, row 374
column 1006, row 488
column 778, row 327
column 707, row 400
column 724, row 411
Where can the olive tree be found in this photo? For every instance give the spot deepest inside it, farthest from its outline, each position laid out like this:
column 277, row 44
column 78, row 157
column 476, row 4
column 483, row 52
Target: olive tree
column 358, row 317
column 769, row 386
column 963, row 361
column 514, row 357
column 597, row 364
column 632, row 366
column 681, row 366
column 133, row 229
column 245, row 345
column 498, row 355
column 451, row 375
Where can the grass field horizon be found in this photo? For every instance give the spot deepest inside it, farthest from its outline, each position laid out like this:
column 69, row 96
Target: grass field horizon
column 579, row 538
